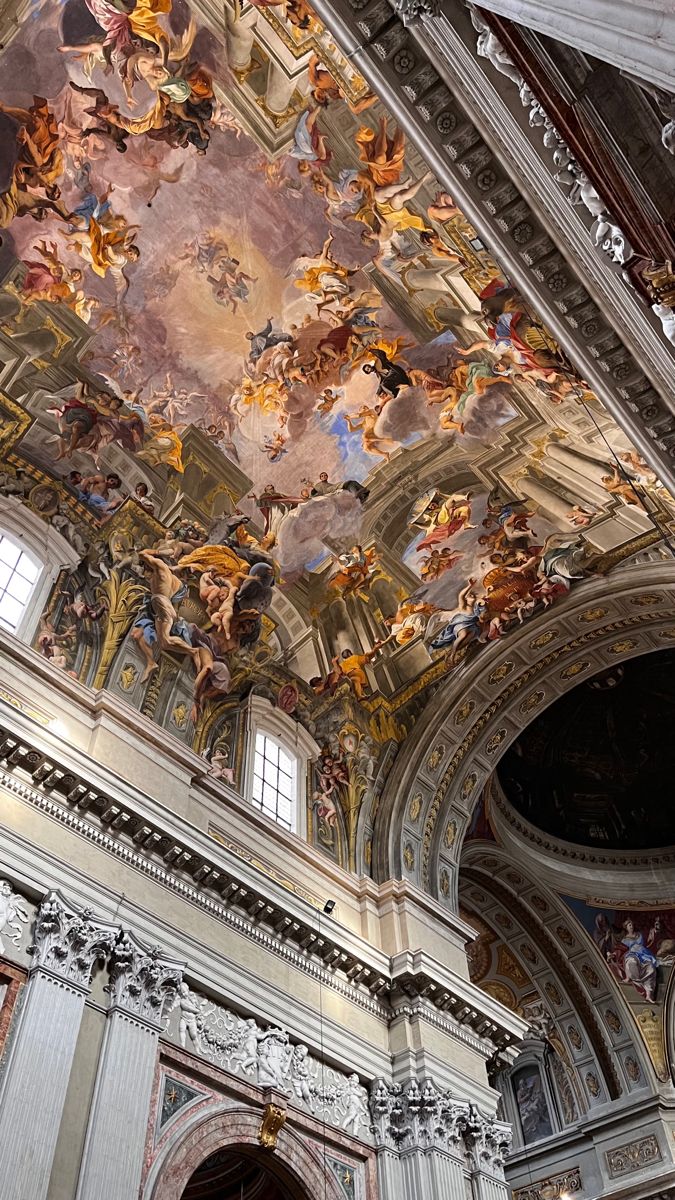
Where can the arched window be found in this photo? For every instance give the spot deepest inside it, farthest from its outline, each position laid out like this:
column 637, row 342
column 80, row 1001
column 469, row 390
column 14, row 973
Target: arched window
column 278, row 758
column 19, row 576
column 275, row 787
column 32, row 555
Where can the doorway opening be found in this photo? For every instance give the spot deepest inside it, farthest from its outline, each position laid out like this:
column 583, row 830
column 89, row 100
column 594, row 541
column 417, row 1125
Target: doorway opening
column 239, row 1174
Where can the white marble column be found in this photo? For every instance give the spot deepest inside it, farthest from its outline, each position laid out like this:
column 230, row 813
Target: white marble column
column 487, row 1141
column 143, row 984
column 279, row 90
column 68, row 942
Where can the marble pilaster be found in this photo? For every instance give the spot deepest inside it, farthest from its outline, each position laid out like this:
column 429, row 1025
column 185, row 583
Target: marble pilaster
column 68, row 942
column 143, row 985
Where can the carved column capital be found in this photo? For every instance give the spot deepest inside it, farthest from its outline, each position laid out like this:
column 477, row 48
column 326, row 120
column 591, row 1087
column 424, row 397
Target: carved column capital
column 68, row 941
column 143, row 981
column 487, row 1142
column 422, row 1115
column 413, row 1115
column 411, row 11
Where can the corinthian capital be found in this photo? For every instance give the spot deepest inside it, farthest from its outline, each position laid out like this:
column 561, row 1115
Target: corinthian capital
column 411, row 11
column 143, row 982
column 68, row 941
column 487, row 1141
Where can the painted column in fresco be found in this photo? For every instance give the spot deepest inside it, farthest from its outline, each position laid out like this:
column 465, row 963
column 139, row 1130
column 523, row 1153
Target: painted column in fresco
column 551, row 503
column 594, row 471
column 240, row 38
column 570, row 471
column 143, row 984
column 67, row 945
column 279, row 90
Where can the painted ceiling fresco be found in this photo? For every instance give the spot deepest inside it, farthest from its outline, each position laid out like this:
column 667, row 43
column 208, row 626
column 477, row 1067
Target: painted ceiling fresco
column 263, row 377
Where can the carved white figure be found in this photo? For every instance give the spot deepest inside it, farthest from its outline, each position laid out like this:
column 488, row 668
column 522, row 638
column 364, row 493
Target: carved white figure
column 489, row 46
column 13, row 914
column 188, row 1024
column 355, row 1105
column 248, row 1054
column 274, row 1055
column 300, row 1074
column 666, row 316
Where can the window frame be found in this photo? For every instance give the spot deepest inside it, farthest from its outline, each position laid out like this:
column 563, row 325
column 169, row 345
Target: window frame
column 47, row 547
column 268, row 739
column 14, row 570
column 262, row 717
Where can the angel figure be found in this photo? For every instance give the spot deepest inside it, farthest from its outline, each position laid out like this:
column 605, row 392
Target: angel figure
column 163, row 446
column 324, row 279
column 382, row 153
column 365, row 422
column 32, row 189
column 355, row 570
column 49, row 279
column 458, row 626
column 442, row 516
column 107, row 250
column 13, row 914
column 310, row 147
column 325, row 89
column 620, row 485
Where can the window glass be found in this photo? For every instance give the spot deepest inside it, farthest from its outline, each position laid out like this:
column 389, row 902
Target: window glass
column 273, row 789
column 18, row 576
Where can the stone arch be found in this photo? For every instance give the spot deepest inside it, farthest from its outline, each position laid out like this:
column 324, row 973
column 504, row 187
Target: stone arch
column 565, row 967
column 488, row 701
column 294, row 1163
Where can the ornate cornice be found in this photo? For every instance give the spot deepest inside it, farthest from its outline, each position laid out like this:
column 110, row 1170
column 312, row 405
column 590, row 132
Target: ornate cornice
column 116, row 828
column 68, row 941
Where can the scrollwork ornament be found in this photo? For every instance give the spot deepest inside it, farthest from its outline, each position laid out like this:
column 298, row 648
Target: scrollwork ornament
column 68, row 941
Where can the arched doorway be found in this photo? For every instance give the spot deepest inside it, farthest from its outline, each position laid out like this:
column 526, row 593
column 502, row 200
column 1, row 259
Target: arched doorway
column 231, row 1174
column 214, row 1153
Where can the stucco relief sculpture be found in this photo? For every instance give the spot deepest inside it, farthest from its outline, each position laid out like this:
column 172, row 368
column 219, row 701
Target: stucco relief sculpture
column 268, row 1057
column 13, row 915
column 605, row 231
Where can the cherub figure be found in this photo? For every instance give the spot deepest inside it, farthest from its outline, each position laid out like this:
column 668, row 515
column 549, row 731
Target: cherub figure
column 13, row 914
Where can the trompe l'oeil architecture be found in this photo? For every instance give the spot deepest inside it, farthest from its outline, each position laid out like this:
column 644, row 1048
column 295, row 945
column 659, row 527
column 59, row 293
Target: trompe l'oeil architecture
column 337, row 601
